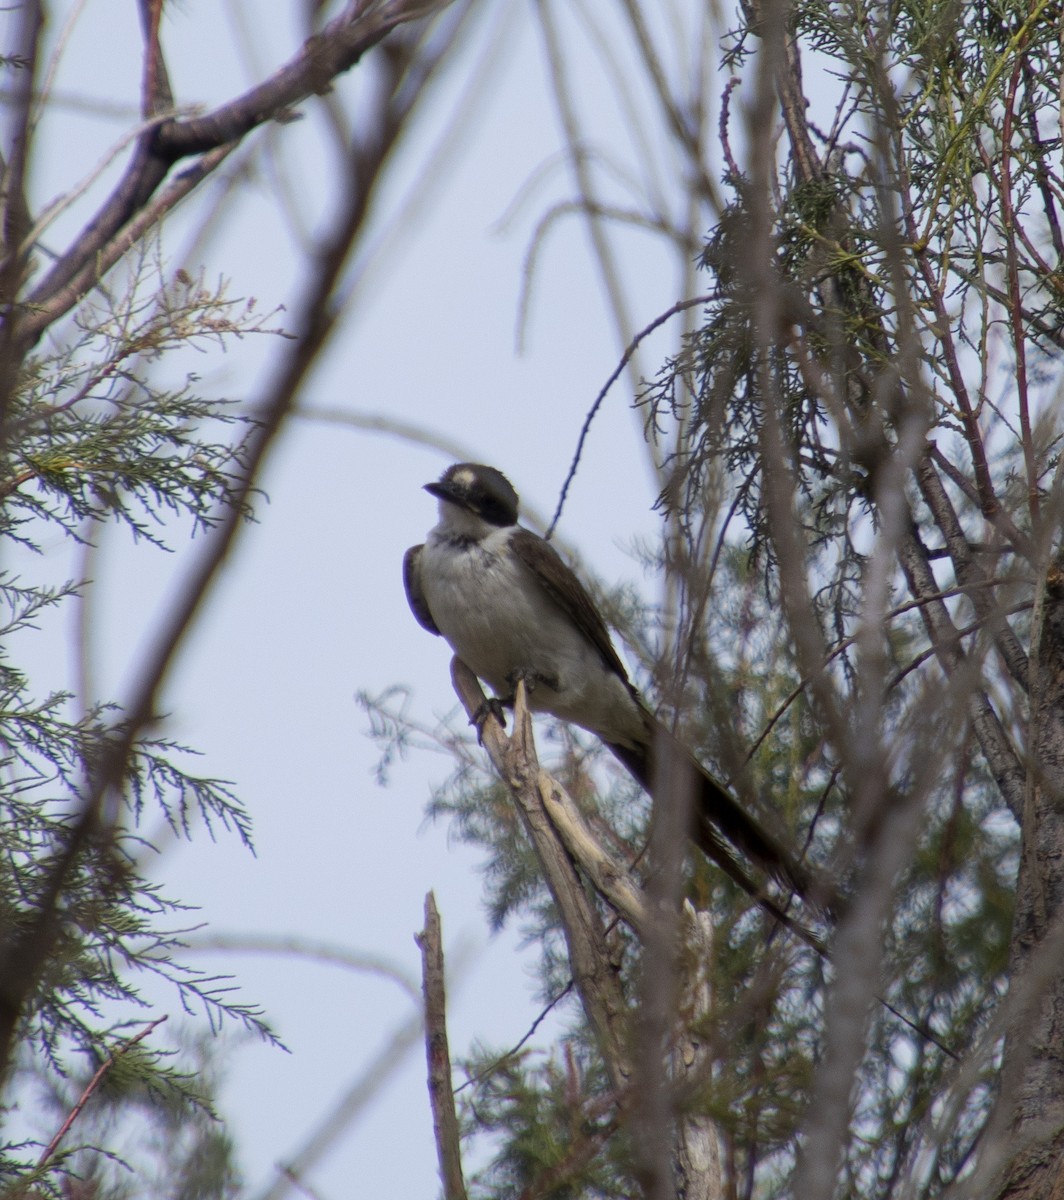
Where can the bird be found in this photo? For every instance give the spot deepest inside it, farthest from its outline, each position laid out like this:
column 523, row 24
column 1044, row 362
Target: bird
column 511, row 609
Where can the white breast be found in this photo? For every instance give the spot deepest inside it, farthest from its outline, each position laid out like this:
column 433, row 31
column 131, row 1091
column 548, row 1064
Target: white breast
column 498, row 619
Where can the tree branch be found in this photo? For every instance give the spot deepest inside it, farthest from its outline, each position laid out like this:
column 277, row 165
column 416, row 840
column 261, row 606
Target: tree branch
column 441, row 1090
column 338, row 47
column 91, row 1087
column 1001, row 757
column 594, row 974
column 968, row 572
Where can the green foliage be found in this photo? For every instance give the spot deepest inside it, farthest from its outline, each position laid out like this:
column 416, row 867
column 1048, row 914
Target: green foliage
column 94, row 438
column 893, row 272
column 91, row 437
column 552, row 1123
column 161, row 1133
column 867, row 269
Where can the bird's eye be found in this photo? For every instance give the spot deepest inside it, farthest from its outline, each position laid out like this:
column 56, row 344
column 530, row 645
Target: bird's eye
column 493, row 510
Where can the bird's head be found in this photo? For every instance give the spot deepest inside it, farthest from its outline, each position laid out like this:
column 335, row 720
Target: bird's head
column 477, row 490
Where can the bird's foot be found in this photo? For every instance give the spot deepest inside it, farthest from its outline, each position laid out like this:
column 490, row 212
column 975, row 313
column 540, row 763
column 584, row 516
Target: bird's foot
column 490, row 708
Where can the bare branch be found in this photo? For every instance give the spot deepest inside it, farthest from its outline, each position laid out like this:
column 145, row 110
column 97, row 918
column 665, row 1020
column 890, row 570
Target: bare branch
column 15, row 217
column 611, row 879
column 968, row 571
column 590, row 959
column 441, row 1090
column 211, row 137
column 1001, row 757
column 699, row 1167
column 363, row 1090
column 626, row 358
column 587, row 193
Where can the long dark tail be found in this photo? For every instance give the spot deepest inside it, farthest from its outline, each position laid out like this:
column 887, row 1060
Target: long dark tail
column 719, row 824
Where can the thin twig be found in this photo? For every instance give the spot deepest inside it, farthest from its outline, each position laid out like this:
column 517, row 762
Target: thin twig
column 91, row 1087
column 516, row 1048
column 679, row 307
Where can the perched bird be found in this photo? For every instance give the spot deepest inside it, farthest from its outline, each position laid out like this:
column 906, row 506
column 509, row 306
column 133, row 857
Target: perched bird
column 511, row 609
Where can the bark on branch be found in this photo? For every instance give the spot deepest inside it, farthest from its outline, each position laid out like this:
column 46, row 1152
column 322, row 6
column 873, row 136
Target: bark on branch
column 441, row 1090
column 1033, row 1074
column 595, row 975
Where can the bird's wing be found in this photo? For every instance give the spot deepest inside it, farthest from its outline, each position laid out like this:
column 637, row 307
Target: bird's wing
column 415, row 597
column 566, row 590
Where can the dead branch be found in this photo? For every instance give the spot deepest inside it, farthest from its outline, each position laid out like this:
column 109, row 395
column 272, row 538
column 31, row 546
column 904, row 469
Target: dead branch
column 441, row 1089
column 594, row 974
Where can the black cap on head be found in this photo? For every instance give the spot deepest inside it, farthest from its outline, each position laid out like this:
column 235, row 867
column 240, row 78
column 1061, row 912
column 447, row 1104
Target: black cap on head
column 480, row 489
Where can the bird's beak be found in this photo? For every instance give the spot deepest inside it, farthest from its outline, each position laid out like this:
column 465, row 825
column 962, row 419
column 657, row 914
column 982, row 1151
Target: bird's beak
column 442, row 491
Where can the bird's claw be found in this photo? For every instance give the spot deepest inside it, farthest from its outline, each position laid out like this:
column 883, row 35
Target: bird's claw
column 490, row 708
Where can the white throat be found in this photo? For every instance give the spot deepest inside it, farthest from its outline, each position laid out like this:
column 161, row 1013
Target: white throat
column 457, row 522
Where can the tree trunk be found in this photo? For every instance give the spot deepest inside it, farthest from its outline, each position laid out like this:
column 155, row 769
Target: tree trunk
column 1033, row 1070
